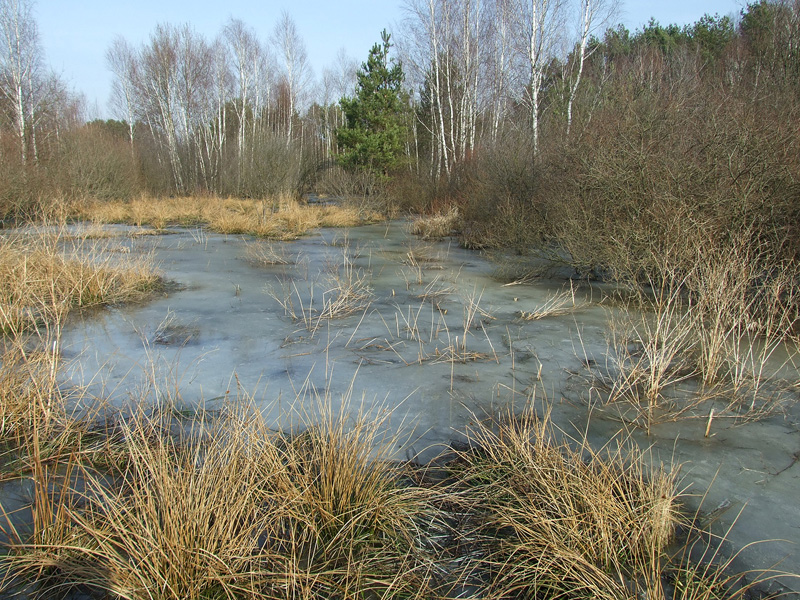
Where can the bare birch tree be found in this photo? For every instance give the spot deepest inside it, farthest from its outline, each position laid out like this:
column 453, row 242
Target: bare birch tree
column 594, row 15
column 500, row 62
column 421, row 48
column 159, row 102
column 20, row 68
column 294, row 61
column 542, row 24
column 249, row 67
column 121, row 59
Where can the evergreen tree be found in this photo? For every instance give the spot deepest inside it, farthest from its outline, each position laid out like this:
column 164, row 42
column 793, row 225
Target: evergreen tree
column 375, row 129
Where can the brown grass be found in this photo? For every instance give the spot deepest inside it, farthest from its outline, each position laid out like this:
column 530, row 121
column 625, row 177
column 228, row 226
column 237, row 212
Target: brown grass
column 229, row 508
column 436, row 226
column 555, row 519
column 226, row 507
column 346, row 291
column 280, row 218
column 232, row 509
column 45, row 273
column 555, row 305
column 264, row 254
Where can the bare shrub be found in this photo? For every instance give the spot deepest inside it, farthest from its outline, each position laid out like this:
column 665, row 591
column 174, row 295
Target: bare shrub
column 97, row 163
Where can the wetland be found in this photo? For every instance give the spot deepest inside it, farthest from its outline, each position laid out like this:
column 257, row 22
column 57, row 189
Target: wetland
column 426, row 352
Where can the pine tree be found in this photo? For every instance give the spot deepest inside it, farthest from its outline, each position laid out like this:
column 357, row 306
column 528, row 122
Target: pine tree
column 375, row 129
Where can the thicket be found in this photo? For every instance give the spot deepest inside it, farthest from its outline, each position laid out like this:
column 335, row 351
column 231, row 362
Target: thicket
column 682, row 139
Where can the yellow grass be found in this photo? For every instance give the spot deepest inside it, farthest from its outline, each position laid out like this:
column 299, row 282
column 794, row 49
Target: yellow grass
column 280, row 218
column 562, row 520
column 44, row 274
column 435, row 226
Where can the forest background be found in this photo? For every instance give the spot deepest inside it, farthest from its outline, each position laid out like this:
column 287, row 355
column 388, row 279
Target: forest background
column 595, row 143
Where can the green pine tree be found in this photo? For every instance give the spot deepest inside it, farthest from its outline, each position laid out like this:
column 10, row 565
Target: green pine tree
column 375, row 132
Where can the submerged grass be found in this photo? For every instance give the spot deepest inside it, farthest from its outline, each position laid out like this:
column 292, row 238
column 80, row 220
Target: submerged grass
column 147, row 505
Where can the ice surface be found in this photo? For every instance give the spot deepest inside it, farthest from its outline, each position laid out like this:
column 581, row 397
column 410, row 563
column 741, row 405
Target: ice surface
column 432, row 335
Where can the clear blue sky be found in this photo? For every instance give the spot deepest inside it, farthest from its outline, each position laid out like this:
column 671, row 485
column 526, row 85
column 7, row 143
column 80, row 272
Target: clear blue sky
column 76, row 34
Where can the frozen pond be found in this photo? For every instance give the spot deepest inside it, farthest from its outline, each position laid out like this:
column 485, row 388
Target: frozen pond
column 424, row 329
column 417, row 327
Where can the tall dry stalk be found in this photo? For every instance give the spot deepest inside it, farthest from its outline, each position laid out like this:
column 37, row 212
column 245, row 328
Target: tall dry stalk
column 651, row 349
column 346, row 291
column 747, row 310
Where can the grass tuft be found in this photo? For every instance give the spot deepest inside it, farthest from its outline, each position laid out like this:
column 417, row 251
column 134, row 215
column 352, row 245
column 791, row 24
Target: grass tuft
column 553, row 519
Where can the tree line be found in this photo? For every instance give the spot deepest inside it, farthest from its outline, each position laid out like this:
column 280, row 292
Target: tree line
column 508, row 108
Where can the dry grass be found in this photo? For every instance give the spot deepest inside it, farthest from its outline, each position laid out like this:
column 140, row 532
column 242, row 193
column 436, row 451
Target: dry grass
column 436, row 290
column 725, row 325
column 280, row 218
column 746, row 308
column 555, row 305
column 550, row 519
column 45, row 273
column 264, row 254
column 231, row 509
column 436, row 226
column 227, row 507
column 346, row 291
column 650, row 354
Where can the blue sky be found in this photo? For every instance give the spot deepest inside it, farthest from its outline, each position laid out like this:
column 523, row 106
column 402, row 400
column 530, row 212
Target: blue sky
column 76, row 34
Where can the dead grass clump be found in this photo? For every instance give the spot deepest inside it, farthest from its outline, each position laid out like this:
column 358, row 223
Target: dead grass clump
column 553, row 520
column 723, row 324
column 436, row 290
column 746, row 307
column 179, row 522
column 436, row 226
column 346, row 291
column 555, row 305
column 355, row 529
column 229, row 509
column 266, row 254
column 30, row 400
column 44, row 274
column 282, row 217
column 650, row 352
